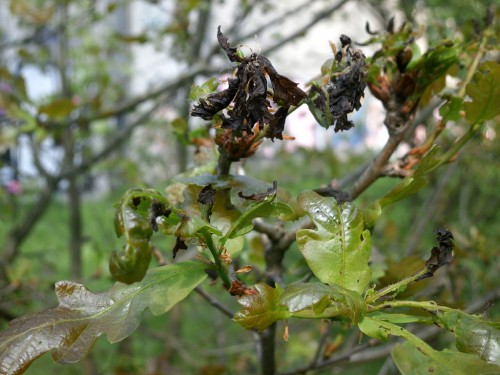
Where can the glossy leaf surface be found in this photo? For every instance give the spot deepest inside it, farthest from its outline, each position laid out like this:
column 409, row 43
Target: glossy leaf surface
column 411, row 361
column 133, row 222
column 262, row 309
column 316, row 300
column 265, row 208
column 397, row 318
column 338, row 250
column 299, row 300
column 473, row 335
column 69, row 330
column 417, row 357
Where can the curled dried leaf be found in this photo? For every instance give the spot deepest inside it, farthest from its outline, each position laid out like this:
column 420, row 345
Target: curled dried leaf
column 239, row 289
column 440, row 255
column 331, row 102
column 206, row 197
column 244, row 269
column 226, row 46
column 249, row 101
column 238, row 147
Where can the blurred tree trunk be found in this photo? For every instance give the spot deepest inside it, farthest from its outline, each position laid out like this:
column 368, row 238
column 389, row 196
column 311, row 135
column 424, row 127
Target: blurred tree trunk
column 194, row 55
column 75, row 210
column 73, row 193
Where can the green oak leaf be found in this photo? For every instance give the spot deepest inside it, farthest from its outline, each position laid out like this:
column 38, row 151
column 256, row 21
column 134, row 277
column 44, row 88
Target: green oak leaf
column 450, row 111
column 398, row 318
column 262, row 309
column 415, row 356
column 298, row 300
column 316, row 300
column 266, row 208
column 410, row 185
column 58, row 108
column 434, row 63
column 132, row 220
column 69, row 330
column 473, row 335
column 224, row 215
column 410, row 360
column 338, row 250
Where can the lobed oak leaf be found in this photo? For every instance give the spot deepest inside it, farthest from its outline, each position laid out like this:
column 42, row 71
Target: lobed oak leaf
column 69, row 330
column 338, row 249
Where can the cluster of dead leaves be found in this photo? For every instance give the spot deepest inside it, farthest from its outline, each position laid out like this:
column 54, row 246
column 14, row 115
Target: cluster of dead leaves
column 248, row 103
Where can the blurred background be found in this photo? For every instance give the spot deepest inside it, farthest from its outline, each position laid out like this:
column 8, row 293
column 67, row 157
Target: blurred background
column 95, row 99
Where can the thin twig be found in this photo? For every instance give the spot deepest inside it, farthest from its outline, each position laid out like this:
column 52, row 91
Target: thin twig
column 376, row 167
column 112, row 145
column 235, row 39
column 200, row 68
column 214, row 302
column 266, row 349
column 304, row 29
column 271, row 231
column 319, row 349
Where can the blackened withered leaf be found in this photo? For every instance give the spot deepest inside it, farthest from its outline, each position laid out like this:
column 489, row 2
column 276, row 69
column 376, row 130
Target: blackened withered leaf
column 260, row 197
column 286, row 92
column 440, row 255
column 330, row 103
column 248, row 103
column 213, row 103
column 157, row 209
column 206, row 197
column 179, row 245
column 329, row 191
column 277, row 124
column 226, row 46
column 345, row 40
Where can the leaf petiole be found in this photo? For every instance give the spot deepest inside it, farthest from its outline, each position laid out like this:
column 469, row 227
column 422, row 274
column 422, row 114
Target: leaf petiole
column 396, row 286
column 424, row 305
column 221, row 269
